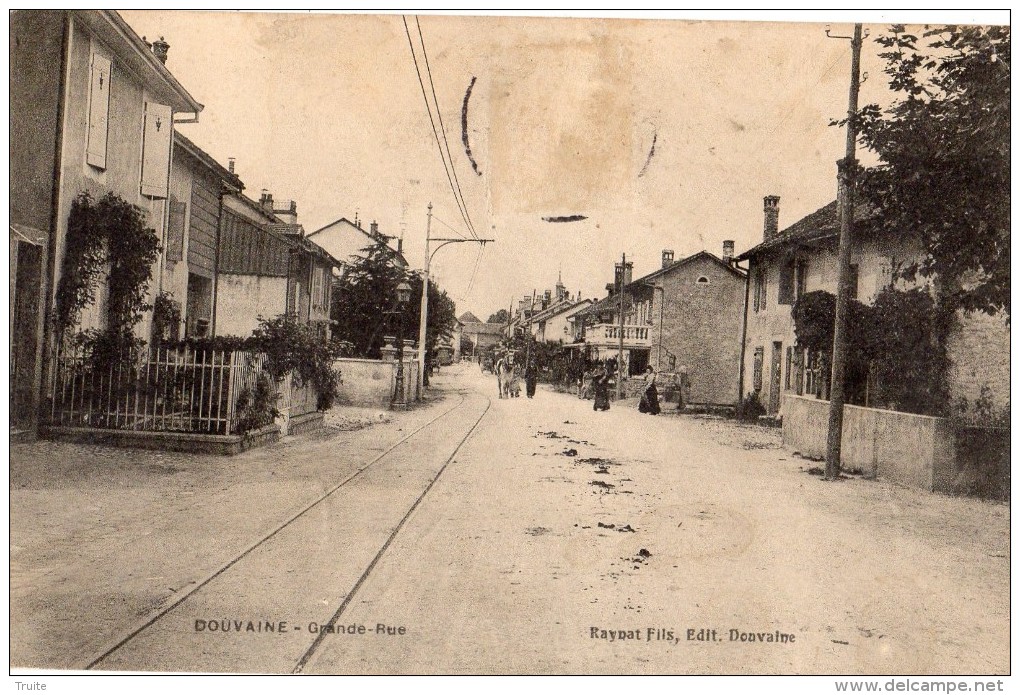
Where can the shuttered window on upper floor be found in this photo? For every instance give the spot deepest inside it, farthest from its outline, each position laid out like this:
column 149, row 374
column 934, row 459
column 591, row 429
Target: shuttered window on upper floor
column 99, row 111
column 156, row 149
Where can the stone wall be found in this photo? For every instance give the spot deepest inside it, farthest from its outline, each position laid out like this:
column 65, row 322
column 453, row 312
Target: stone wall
column 370, row 383
column 979, row 351
column 914, row 450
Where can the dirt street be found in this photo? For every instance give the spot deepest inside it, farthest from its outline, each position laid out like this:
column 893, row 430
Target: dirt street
column 555, row 540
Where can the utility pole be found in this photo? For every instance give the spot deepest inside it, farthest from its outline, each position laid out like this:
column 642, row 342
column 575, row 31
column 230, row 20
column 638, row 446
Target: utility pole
column 527, row 352
column 847, row 169
column 424, row 316
column 619, row 359
column 425, row 293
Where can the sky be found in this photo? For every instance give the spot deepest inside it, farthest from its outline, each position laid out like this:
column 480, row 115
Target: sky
column 661, row 133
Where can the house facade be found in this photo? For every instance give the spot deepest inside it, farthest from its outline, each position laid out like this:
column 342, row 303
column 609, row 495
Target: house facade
column 684, row 317
column 198, row 186
column 479, row 334
column 93, row 108
column 345, row 240
column 803, row 258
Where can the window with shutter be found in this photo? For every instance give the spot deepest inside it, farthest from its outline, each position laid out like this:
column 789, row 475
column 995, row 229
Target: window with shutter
column 99, row 111
column 801, row 279
column 759, row 359
column 175, row 231
column 156, row 149
column 786, row 282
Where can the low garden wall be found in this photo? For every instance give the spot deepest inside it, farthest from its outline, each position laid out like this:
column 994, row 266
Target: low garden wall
column 919, row 451
column 371, row 383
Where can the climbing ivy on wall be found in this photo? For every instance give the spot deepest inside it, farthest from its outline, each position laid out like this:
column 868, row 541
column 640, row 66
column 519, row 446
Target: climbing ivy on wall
column 108, row 234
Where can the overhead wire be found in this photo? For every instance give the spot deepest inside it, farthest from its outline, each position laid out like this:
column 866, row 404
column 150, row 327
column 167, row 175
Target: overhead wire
column 435, row 132
column 442, row 128
column 471, row 282
column 452, row 229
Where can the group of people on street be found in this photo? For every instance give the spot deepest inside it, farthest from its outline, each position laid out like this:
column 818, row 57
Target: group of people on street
column 649, row 402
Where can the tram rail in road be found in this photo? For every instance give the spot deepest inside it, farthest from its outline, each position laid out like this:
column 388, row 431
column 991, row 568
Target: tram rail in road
column 299, row 547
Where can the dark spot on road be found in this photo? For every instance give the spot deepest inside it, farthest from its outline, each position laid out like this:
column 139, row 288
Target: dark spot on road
column 627, row 528
column 644, row 553
column 601, row 525
column 602, row 484
column 570, row 452
column 550, row 435
column 537, row 531
column 597, row 461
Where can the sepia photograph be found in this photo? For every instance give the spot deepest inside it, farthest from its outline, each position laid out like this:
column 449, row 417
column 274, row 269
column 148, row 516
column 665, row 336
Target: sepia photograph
column 444, row 343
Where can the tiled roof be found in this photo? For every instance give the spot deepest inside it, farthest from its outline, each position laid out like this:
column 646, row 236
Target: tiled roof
column 485, row 328
column 820, row 224
column 468, row 317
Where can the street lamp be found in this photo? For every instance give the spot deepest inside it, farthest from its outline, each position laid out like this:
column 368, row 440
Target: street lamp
column 403, row 297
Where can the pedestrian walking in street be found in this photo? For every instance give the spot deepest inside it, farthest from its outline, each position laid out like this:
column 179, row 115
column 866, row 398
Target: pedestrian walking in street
column 600, row 383
column 649, row 395
column 531, row 377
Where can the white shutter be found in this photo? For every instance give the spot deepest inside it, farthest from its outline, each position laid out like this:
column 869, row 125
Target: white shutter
column 99, row 111
column 156, row 149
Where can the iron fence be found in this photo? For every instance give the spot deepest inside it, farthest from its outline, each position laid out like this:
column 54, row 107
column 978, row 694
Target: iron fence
column 156, row 390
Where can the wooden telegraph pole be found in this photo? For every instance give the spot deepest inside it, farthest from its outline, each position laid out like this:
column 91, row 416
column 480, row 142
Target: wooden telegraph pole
column 847, row 174
column 619, row 359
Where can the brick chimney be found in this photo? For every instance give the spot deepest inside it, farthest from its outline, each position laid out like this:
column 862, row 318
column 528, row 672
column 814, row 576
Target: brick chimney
column 547, row 299
column 374, row 228
column 727, row 250
column 161, row 48
column 266, row 201
column 771, row 216
column 230, row 164
column 667, row 258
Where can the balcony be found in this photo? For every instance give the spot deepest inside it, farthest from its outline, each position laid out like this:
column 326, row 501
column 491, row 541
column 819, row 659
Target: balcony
column 608, row 335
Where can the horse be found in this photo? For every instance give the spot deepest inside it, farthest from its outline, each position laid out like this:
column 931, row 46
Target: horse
column 505, row 376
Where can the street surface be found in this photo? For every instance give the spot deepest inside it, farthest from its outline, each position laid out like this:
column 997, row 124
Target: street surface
column 554, row 540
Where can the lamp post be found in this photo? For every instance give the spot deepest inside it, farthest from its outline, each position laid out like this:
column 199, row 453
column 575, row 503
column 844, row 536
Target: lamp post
column 399, row 400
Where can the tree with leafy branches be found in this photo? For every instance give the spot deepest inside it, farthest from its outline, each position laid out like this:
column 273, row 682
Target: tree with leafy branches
column 364, row 300
column 944, row 158
column 500, row 317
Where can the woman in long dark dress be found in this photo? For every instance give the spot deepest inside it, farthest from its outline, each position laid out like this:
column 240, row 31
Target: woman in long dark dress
column 650, row 396
column 601, row 386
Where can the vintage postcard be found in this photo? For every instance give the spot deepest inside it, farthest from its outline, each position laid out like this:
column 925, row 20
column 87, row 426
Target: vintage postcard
column 440, row 343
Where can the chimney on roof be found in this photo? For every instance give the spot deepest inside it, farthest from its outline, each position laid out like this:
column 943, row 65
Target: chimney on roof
column 771, row 216
column 230, row 164
column 287, row 212
column 400, row 244
column 160, row 49
column 374, row 228
column 727, row 250
column 667, row 258
column 547, row 299
column 266, row 201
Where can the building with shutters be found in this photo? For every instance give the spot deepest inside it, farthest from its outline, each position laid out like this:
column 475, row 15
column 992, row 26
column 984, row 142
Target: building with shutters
column 93, row 108
column 804, row 258
column 198, row 186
